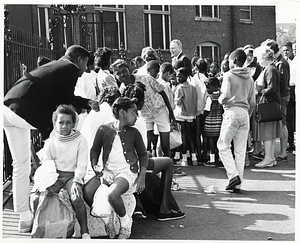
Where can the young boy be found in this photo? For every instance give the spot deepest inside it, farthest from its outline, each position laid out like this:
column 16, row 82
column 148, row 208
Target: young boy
column 237, row 98
column 152, row 68
column 68, row 148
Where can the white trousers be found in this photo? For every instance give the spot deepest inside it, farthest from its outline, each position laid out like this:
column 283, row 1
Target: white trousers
column 17, row 131
column 235, row 127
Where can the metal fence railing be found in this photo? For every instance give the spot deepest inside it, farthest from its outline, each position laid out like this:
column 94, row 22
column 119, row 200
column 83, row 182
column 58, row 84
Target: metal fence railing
column 21, row 47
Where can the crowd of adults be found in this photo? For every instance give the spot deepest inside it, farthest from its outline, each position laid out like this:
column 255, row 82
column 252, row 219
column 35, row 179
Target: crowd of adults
column 203, row 98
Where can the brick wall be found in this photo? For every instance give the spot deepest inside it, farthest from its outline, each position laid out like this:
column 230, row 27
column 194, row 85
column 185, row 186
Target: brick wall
column 135, row 30
column 193, row 32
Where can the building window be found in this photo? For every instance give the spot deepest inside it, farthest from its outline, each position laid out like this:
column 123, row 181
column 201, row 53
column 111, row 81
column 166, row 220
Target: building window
column 157, row 26
column 111, row 26
column 245, row 13
column 44, row 14
column 209, row 50
column 207, row 11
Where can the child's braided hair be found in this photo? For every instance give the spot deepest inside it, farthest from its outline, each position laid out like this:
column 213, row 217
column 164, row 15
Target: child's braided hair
column 109, row 94
column 135, row 90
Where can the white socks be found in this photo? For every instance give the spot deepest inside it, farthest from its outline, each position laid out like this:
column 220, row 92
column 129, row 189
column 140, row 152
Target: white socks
column 177, row 155
column 124, row 220
column 194, row 157
column 25, row 216
column 184, row 157
column 212, row 157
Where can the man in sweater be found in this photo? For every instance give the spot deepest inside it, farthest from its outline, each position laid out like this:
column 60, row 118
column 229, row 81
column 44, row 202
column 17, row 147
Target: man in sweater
column 238, row 100
column 29, row 104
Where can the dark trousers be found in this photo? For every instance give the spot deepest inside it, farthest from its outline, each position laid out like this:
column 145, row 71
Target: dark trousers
column 290, row 116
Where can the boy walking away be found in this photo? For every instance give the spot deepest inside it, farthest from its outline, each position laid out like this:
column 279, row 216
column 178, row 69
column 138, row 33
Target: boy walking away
column 68, row 149
column 237, row 98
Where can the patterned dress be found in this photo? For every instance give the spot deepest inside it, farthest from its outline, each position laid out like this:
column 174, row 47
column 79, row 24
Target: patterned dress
column 213, row 120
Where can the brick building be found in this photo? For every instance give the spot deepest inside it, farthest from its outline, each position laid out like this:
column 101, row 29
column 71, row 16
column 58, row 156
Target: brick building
column 205, row 30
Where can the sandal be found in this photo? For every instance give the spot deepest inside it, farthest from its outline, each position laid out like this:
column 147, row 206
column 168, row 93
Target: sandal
column 264, row 164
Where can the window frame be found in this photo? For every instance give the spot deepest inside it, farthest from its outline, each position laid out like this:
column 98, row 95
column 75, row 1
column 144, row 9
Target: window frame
column 245, row 10
column 46, row 18
column 116, row 10
column 165, row 12
column 212, row 45
column 215, row 15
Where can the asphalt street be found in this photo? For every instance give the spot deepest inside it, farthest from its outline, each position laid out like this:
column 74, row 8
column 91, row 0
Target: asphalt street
column 263, row 210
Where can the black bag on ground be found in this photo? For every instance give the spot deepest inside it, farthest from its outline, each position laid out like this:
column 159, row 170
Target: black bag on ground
column 152, row 195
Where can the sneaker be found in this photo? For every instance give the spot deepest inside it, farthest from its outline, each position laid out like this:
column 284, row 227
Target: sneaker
column 25, row 226
column 182, row 163
column 86, row 236
column 175, row 186
column 110, row 228
column 194, row 162
column 291, row 148
column 209, row 164
column 125, row 231
column 140, row 213
column 250, row 149
column 179, row 173
column 170, row 216
column 258, row 156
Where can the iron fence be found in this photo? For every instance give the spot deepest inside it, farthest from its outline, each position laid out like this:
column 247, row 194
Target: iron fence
column 21, row 47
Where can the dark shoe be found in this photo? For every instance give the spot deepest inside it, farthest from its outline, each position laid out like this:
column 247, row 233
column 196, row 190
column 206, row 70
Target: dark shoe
column 258, row 156
column 233, row 182
column 220, row 164
column 279, row 158
column 139, row 213
column 291, row 148
column 210, row 164
column 170, row 216
column 236, row 190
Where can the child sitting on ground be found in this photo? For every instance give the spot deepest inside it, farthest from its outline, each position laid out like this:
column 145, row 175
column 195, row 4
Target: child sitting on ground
column 122, row 148
column 68, row 149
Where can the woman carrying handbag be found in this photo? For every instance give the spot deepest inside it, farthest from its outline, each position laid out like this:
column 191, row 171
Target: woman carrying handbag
column 268, row 90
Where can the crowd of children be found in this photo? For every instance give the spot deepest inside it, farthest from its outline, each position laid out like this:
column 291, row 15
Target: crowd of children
column 212, row 105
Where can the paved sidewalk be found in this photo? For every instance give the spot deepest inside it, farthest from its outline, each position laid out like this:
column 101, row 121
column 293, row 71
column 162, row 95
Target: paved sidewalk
column 264, row 210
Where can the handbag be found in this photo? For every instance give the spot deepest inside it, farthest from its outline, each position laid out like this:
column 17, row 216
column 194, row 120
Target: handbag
column 175, row 137
column 267, row 111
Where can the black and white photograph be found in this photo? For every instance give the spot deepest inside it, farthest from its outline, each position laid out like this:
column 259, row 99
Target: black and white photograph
column 132, row 121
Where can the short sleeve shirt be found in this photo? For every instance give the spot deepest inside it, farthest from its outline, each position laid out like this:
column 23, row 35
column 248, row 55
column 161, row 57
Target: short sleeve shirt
column 153, row 102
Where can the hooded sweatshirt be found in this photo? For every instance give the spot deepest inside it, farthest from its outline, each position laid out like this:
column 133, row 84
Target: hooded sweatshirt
column 237, row 90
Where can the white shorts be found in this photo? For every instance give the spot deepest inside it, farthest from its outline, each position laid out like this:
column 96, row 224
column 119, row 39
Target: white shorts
column 128, row 175
column 161, row 119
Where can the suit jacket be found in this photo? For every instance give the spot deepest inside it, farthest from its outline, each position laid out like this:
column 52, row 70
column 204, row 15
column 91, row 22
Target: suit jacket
column 36, row 95
column 186, row 60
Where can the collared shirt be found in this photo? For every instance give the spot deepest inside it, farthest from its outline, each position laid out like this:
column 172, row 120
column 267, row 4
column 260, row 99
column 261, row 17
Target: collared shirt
column 105, row 78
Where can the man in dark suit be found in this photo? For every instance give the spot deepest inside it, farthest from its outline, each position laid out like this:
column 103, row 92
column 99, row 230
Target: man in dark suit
column 29, row 104
column 176, row 53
